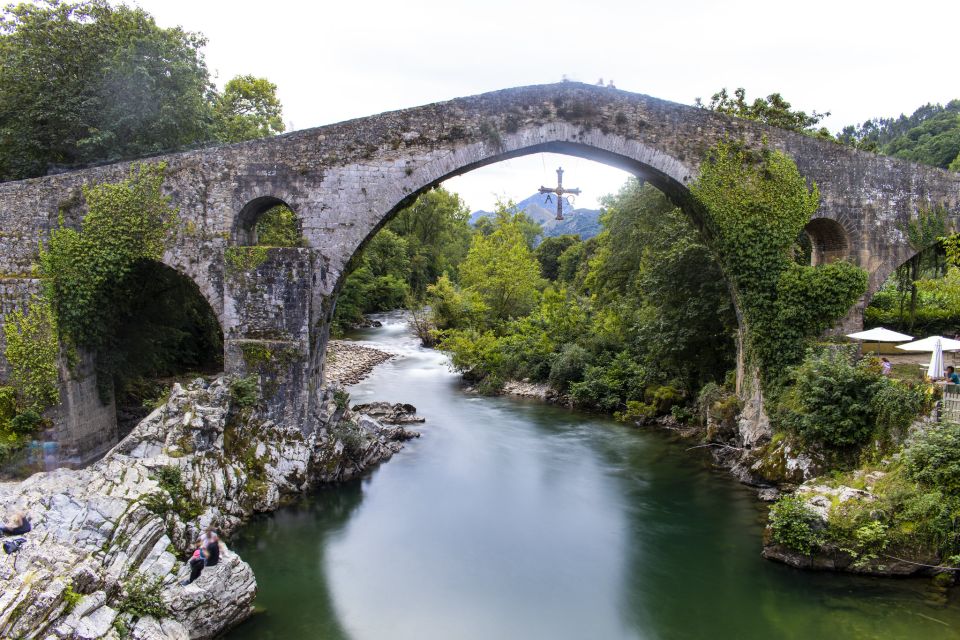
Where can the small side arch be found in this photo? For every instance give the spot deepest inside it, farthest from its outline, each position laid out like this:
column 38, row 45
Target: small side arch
column 828, row 239
column 245, row 224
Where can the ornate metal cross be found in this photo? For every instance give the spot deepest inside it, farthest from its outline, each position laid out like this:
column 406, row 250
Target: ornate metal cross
column 559, row 191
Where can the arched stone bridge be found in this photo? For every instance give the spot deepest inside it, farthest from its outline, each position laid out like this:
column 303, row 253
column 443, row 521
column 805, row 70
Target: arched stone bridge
column 344, row 181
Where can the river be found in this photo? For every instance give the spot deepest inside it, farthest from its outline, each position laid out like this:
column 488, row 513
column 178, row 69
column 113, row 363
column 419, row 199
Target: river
column 513, row 519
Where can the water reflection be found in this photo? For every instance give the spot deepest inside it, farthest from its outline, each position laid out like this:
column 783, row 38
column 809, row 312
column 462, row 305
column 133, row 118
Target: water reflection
column 513, row 519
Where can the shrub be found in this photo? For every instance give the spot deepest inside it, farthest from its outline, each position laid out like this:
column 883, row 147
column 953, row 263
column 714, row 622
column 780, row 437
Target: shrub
column 568, row 366
column 663, row 397
column 143, row 597
column 70, row 598
column 792, row 524
column 611, row 386
column 341, row 398
column 832, row 400
column 170, row 479
column 635, row 412
column 26, row 423
column 348, row 433
column 933, row 458
column 244, row 392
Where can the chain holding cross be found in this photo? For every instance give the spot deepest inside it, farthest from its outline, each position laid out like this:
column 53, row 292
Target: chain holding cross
column 559, row 191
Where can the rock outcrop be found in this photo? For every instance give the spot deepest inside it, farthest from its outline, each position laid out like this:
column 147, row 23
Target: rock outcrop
column 105, row 557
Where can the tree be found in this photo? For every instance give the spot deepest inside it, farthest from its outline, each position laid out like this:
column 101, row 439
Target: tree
column 87, row 82
column 772, row 110
column 922, row 233
column 437, row 230
column 549, row 252
column 501, row 268
column 247, row 109
column 930, row 135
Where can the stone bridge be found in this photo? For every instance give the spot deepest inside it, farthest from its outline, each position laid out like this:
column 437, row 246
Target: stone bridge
column 344, row 181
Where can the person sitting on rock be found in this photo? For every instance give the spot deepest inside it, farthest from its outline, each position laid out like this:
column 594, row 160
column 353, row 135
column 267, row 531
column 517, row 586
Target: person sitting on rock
column 212, row 548
column 197, row 562
column 18, row 524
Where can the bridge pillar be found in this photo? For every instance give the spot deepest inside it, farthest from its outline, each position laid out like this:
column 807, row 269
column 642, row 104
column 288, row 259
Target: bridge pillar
column 267, row 299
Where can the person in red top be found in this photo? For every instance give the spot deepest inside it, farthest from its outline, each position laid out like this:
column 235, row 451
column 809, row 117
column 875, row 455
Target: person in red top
column 197, row 562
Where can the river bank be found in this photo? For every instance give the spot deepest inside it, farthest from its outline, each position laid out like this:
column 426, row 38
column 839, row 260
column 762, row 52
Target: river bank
column 347, row 363
column 514, row 518
column 106, row 555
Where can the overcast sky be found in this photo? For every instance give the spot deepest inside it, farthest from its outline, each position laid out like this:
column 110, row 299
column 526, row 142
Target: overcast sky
column 338, row 60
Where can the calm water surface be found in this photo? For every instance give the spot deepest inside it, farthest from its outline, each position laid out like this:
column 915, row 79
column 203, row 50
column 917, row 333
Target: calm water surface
column 511, row 519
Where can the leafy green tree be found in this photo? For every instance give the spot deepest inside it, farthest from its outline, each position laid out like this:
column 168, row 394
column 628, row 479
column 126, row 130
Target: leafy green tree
column 247, row 109
column 508, row 212
column 501, row 268
column 549, row 251
column 86, row 82
column 437, row 230
column 772, row 110
column 930, row 135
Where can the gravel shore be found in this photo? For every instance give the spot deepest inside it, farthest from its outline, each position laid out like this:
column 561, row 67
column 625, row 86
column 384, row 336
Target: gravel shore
column 348, row 363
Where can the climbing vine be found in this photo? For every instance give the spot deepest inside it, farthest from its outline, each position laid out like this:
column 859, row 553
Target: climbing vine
column 242, row 259
column 85, row 270
column 754, row 204
column 32, row 350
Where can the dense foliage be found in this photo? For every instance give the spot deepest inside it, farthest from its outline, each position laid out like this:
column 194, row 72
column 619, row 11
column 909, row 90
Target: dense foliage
column 773, row 110
column 931, row 135
column 840, row 403
column 423, row 242
column 639, row 315
column 754, row 205
column 106, row 293
column 278, row 227
column 85, row 82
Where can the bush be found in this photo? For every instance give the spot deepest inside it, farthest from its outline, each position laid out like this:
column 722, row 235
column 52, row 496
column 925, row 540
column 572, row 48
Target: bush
column 663, row 398
column 933, row 458
column 70, row 598
column 144, row 597
column 170, row 479
column 611, row 386
column 831, row 401
column 568, row 366
column 26, row 423
column 244, row 392
column 278, row 227
column 792, row 524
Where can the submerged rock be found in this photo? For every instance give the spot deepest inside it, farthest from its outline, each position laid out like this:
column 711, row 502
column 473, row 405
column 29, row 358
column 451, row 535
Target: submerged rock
column 126, row 523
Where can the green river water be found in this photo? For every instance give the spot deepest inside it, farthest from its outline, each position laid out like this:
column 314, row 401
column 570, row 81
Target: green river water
column 512, row 519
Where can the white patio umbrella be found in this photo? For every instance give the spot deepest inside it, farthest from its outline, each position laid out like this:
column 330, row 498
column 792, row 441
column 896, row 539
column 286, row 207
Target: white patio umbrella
column 929, row 344
column 879, row 334
column 935, row 370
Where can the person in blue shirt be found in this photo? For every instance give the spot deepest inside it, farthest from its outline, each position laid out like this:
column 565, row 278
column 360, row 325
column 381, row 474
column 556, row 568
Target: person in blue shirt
column 952, row 376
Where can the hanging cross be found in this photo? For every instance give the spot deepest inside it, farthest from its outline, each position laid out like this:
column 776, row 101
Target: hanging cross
column 559, row 191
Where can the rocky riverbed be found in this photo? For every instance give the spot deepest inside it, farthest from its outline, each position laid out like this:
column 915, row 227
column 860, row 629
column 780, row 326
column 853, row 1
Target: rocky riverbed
column 106, row 555
column 348, row 363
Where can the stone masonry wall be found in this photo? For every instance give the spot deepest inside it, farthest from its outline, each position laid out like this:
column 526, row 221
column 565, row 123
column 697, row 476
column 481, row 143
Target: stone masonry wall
column 346, row 180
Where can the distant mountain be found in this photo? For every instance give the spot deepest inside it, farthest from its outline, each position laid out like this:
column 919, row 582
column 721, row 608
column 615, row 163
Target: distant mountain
column 582, row 222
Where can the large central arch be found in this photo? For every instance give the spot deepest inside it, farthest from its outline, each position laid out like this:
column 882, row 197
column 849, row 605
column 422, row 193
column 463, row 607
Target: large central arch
column 668, row 174
column 345, row 180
